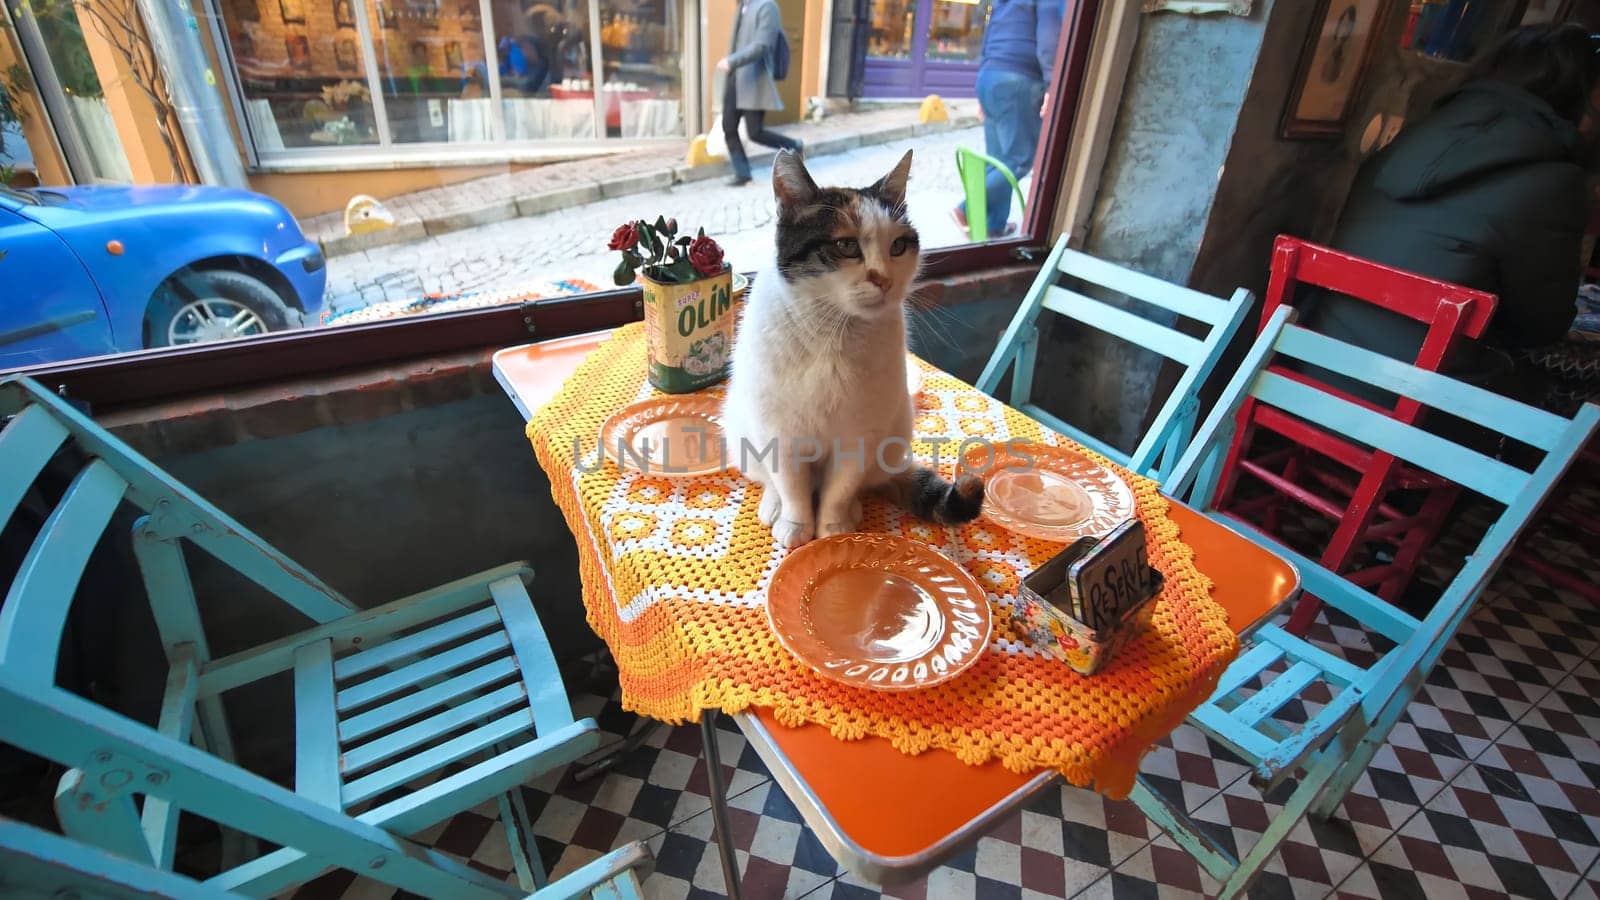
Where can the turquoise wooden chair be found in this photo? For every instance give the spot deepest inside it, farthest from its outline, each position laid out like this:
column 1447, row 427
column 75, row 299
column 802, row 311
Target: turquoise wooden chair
column 39, row 865
column 405, row 714
column 972, row 168
column 1169, row 433
column 1329, row 751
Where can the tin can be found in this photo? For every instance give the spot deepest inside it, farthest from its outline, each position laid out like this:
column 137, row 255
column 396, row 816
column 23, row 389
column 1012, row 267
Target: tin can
column 689, row 332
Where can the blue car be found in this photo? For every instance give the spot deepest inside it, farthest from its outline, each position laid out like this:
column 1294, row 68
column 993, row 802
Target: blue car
column 87, row 271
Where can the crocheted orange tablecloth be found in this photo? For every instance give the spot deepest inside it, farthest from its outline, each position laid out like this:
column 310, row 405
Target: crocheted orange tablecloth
column 675, row 575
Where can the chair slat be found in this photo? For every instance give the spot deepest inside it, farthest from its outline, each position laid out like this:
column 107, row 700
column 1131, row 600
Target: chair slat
column 1524, row 423
column 357, row 759
column 1276, row 693
column 1172, row 297
column 258, row 662
column 1468, row 468
column 36, row 607
column 386, row 779
column 547, row 696
column 1250, row 744
column 1339, row 671
column 384, row 685
column 413, row 644
column 26, row 445
column 316, row 738
column 1249, row 664
column 378, row 718
column 1098, row 314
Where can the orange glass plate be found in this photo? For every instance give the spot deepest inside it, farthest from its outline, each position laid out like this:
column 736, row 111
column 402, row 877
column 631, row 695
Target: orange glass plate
column 878, row 611
column 1049, row 493
column 674, row 436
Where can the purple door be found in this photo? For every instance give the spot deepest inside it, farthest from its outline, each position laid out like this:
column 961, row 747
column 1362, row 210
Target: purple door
column 919, row 47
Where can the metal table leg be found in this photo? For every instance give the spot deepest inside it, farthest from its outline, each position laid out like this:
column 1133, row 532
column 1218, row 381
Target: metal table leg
column 719, row 803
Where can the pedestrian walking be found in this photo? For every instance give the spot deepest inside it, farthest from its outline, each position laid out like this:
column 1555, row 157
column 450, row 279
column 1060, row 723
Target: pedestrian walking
column 1014, row 70
column 751, row 90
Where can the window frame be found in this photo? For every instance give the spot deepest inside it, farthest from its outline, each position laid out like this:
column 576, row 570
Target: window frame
column 131, row 379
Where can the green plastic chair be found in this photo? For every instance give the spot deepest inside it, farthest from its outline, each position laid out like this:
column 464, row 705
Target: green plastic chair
column 404, row 715
column 971, row 166
column 1356, row 704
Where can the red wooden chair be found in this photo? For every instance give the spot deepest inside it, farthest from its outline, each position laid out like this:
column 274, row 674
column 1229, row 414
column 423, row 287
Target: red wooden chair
column 1344, row 481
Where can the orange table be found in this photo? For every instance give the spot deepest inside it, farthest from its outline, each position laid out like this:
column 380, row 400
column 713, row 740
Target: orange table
column 900, row 829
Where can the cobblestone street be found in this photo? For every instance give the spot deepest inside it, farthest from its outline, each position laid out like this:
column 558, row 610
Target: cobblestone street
column 571, row 243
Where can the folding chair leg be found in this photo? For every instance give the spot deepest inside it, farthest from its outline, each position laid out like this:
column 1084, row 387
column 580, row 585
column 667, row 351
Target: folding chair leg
column 524, row 846
column 1236, row 875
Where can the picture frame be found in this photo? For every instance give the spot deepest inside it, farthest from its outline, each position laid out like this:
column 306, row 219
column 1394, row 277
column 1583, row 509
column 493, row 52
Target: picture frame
column 1333, row 66
column 298, row 48
column 293, row 12
column 344, row 54
column 344, row 14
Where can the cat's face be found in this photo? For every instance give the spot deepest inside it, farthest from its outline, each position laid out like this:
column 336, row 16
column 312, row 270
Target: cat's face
column 854, row 250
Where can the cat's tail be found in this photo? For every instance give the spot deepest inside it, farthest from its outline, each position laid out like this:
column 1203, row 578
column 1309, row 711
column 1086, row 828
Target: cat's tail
column 928, row 495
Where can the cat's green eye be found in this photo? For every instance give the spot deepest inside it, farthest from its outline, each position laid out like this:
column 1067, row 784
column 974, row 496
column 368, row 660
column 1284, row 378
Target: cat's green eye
column 847, row 247
column 900, row 246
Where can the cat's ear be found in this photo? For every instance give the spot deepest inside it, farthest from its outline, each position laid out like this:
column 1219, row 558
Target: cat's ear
column 892, row 187
column 791, row 183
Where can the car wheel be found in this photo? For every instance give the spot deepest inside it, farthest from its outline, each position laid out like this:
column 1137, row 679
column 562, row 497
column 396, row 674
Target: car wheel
column 214, row 306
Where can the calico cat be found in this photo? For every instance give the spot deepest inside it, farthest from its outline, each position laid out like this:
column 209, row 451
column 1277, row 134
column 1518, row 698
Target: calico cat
column 818, row 410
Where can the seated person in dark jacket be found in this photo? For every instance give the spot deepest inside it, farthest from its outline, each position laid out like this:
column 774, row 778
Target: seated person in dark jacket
column 1488, row 191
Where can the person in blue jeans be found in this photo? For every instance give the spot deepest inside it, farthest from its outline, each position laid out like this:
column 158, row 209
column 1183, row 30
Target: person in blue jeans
column 1014, row 71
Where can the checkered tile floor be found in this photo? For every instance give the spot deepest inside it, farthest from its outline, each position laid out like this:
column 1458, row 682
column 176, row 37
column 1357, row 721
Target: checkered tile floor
column 1486, row 789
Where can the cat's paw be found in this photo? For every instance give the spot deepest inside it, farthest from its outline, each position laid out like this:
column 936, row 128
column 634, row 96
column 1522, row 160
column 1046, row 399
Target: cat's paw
column 771, row 507
column 849, row 525
column 792, row 534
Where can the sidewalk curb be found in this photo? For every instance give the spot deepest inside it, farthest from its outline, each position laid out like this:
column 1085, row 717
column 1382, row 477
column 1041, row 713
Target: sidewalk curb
column 642, row 181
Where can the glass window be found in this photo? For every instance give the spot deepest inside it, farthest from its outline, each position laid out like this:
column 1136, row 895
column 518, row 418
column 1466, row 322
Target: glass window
column 546, row 70
column 339, row 83
column 892, row 21
column 301, row 72
column 641, row 44
column 70, row 85
column 955, row 31
column 432, row 70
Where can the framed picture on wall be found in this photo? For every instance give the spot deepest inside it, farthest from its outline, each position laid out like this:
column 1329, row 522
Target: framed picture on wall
column 1332, row 67
column 344, row 54
column 292, row 11
column 298, row 48
column 344, row 14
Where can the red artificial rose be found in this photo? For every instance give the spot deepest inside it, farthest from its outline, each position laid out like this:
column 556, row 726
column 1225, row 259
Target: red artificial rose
column 705, row 255
column 626, row 237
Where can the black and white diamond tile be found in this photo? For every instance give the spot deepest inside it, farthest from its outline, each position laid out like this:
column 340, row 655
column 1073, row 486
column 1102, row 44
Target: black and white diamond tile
column 1486, row 788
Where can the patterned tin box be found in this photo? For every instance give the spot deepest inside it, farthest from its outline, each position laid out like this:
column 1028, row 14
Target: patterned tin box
column 1077, row 580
